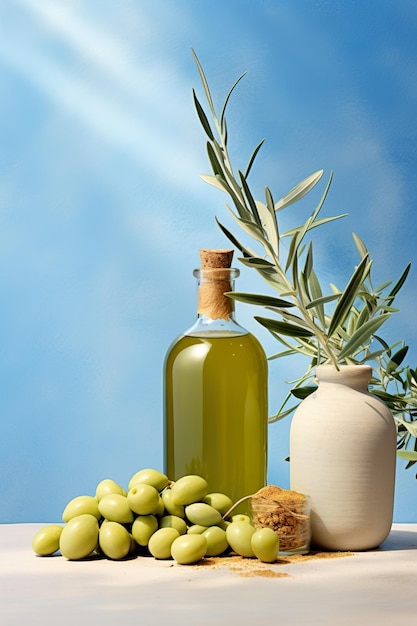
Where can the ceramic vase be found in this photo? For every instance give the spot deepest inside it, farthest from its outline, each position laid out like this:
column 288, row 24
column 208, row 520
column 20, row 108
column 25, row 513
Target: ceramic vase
column 343, row 454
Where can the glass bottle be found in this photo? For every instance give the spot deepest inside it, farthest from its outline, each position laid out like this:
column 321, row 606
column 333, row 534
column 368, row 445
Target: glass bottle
column 215, row 391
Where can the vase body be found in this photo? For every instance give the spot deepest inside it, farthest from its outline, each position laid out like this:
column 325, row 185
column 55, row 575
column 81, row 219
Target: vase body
column 343, row 455
column 215, row 393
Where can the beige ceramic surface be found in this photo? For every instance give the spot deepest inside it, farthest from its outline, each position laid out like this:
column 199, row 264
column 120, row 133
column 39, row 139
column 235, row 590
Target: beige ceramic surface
column 342, row 451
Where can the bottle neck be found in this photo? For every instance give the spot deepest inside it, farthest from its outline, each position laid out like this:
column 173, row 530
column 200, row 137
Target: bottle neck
column 215, row 310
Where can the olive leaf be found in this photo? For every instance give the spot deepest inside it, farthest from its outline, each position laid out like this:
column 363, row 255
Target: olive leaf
column 253, row 157
column 299, row 191
column 214, row 161
column 204, row 83
column 399, row 283
column 349, row 295
column 317, row 302
column 303, row 392
column 362, row 335
column 269, row 224
column 259, row 300
column 245, row 251
column 283, row 327
column 315, row 224
column 396, row 359
column 250, row 198
column 223, row 113
column 408, row 455
column 203, row 118
column 213, row 180
column 410, row 426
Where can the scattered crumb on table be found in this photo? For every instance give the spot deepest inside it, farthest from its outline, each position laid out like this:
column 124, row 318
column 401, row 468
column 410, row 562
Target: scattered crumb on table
column 248, row 567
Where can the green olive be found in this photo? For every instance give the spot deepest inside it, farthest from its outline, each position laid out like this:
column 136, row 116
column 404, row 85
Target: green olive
column 143, row 528
column 202, row 513
column 219, row 501
column 133, row 544
column 115, row 508
column 79, row 506
column 224, row 524
column 172, row 521
column 161, row 541
column 216, row 541
column 170, row 507
column 196, row 529
column 107, row 487
column 46, row 540
column 189, row 489
column 239, row 535
column 265, row 544
column 160, row 509
column 241, row 517
column 188, row 549
column 143, row 499
column 79, row 537
column 149, row 477
column 114, row 540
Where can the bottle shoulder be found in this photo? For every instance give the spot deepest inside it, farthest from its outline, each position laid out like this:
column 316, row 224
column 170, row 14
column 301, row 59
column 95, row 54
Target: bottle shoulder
column 208, row 327
column 217, row 345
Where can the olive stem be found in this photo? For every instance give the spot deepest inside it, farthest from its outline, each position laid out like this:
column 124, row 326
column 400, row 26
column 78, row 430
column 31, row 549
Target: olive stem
column 275, row 502
column 236, row 504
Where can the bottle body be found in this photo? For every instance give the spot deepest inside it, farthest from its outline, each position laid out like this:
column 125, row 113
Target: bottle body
column 216, row 414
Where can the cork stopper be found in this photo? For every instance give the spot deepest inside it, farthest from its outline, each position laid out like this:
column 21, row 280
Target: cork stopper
column 212, row 259
column 215, row 281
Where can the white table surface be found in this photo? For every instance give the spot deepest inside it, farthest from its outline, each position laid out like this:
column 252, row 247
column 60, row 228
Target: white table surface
column 379, row 586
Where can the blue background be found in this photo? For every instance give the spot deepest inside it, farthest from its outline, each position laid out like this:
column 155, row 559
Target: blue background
column 102, row 210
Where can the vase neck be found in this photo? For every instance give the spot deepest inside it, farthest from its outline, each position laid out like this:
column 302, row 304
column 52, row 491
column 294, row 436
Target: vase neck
column 354, row 376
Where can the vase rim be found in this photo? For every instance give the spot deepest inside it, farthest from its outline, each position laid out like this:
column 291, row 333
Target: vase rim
column 346, row 372
column 355, row 367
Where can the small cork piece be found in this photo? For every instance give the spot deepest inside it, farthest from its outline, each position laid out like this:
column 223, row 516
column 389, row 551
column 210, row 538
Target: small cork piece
column 214, row 283
column 211, row 259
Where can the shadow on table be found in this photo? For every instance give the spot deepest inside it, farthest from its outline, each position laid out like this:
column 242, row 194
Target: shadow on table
column 400, row 540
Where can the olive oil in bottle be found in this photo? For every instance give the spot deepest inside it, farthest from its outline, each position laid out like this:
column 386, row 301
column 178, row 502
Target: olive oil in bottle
column 215, row 388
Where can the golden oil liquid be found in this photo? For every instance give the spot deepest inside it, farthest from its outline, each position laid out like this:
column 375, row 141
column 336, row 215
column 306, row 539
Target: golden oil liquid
column 216, row 414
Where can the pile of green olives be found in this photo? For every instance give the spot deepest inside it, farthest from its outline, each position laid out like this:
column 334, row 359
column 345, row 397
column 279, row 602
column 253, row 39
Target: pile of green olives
column 178, row 520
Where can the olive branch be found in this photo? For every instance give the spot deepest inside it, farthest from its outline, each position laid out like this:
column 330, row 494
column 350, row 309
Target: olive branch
column 337, row 326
